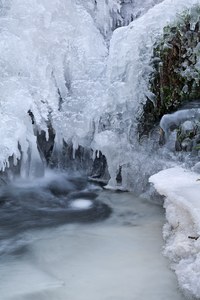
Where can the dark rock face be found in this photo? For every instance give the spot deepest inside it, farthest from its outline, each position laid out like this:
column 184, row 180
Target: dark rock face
column 81, row 160
column 45, row 146
column 176, row 75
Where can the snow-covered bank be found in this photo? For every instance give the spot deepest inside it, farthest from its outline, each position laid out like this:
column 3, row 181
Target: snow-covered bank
column 181, row 233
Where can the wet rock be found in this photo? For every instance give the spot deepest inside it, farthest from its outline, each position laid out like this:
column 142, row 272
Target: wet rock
column 24, row 207
column 178, row 146
column 61, row 187
column 83, row 195
column 78, row 182
column 187, row 144
column 45, row 146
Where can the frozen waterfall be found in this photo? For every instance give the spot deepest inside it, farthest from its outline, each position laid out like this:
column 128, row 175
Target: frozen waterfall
column 62, row 62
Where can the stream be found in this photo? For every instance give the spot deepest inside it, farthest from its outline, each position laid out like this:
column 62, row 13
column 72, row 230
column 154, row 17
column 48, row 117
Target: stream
column 88, row 243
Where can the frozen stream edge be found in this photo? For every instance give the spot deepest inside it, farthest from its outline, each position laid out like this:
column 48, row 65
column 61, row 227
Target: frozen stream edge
column 182, row 191
column 120, row 258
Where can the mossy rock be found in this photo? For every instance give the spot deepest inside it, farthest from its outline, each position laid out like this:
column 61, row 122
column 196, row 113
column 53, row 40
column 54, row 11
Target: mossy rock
column 176, row 76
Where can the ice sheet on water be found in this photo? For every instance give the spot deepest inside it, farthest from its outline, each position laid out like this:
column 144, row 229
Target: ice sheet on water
column 182, row 230
column 35, row 280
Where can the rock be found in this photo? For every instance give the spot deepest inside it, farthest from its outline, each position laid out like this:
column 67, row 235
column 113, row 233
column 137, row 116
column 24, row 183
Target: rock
column 178, row 146
column 176, row 77
column 187, row 144
column 197, row 139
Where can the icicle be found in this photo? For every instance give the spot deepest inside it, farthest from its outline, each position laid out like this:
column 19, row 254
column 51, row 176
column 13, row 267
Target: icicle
column 94, row 154
column 15, row 159
column 75, row 146
column 36, row 167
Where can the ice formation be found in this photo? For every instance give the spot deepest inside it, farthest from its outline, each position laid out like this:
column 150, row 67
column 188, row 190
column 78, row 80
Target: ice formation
column 182, row 231
column 58, row 64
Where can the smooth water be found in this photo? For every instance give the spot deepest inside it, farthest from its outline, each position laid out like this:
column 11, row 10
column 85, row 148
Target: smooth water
column 55, row 258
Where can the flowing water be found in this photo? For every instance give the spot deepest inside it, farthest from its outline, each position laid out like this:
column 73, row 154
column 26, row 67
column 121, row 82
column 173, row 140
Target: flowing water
column 89, row 244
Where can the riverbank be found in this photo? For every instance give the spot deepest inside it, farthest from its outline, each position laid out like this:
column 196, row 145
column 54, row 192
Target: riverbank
column 182, row 230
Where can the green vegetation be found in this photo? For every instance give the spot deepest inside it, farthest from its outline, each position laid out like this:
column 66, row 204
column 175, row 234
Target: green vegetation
column 176, row 65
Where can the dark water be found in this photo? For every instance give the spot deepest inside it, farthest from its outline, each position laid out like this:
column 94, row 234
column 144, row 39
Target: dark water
column 56, row 199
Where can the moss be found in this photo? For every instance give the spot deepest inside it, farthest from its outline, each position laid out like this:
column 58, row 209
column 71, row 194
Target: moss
column 175, row 78
column 197, row 147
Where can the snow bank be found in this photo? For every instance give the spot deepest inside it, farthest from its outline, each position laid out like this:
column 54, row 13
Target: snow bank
column 182, row 231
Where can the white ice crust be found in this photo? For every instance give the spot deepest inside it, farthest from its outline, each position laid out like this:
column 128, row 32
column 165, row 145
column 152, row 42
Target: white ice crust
column 182, row 230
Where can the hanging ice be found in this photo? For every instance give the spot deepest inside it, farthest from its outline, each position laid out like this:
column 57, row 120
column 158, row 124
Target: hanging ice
column 57, row 63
